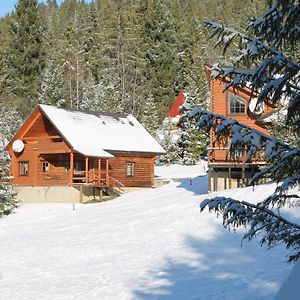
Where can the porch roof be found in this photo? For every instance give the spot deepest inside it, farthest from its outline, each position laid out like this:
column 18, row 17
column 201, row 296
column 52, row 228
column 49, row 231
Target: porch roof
column 95, row 133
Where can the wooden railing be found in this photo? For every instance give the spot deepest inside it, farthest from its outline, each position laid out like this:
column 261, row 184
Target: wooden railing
column 222, row 155
column 54, row 176
column 81, row 178
column 116, row 185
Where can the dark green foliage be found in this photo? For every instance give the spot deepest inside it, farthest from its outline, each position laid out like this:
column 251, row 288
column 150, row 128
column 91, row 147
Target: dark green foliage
column 24, row 57
column 162, row 55
column 128, row 48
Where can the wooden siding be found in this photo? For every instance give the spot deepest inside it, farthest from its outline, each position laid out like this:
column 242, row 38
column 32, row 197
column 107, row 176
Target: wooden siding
column 143, row 169
column 219, row 104
column 34, row 152
column 43, row 144
column 41, row 127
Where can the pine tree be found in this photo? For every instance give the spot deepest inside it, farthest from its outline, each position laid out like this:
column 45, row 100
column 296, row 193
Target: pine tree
column 275, row 77
column 167, row 136
column 51, row 91
column 10, row 120
column 162, row 54
column 52, row 82
column 193, row 143
column 123, row 58
column 150, row 118
column 8, row 200
column 24, row 58
column 102, row 96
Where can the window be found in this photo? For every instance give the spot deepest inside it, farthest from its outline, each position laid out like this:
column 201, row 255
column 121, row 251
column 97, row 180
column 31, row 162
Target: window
column 79, row 165
column 130, row 169
column 237, row 105
column 23, row 168
column 45, row 167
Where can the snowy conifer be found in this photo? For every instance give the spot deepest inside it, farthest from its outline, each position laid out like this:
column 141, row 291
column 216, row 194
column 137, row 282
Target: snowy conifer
column 8, row 200
column 275, row 77
column 193, row 143
column 168, row 137
column 150, row 118
column 103, row 96
column 10, row 121
column 51, row 91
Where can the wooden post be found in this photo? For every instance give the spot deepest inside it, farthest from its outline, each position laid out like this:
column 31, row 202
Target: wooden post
column 81, row 195
column 229, row 177
column 35, row 167
column 101, row 195
column 71, row 167
column 215, row 181
column 209, row 179
column 99, row 171
column 86, row 170
column 106, row 172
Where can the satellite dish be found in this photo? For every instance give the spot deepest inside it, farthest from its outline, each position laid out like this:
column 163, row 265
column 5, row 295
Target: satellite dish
column 255, row 107
column 18, row 146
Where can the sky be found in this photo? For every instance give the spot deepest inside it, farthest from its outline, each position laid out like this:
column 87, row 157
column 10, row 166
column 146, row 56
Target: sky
column 7, row 6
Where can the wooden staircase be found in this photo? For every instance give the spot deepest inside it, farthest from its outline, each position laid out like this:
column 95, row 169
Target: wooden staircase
column 115, row 187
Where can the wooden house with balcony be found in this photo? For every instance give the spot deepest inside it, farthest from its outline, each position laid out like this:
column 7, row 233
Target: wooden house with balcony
column 226, row 171
column 63, row 155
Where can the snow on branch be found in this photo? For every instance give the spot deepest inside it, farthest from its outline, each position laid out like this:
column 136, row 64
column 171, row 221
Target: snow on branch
column 283, row 160
column 276, row 77
column 284, row 22
column 277, row 229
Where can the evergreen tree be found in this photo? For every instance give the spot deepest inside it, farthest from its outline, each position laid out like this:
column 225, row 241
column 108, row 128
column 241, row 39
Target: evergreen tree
column 122, row 51
column 24, row 58
column 102, row 96
column 193, row 143
column 168, row 136
column 150, row 118
column 8, row 200
column 10, row 120
column 162, row 55
column 51, row 91
column 275, row 77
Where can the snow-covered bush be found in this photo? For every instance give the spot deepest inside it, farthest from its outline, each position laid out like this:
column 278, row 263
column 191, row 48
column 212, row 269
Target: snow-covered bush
column 266, row 55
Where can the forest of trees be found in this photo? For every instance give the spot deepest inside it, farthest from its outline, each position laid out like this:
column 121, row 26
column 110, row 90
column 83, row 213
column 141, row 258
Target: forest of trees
column 108, row 55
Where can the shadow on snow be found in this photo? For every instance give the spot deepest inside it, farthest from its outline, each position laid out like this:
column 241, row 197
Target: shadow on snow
column 218, row 269
column 198, row 185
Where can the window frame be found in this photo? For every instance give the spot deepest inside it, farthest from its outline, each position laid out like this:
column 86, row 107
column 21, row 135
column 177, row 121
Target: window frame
column 130, row 166
column 45, row 167
column 23, row 172
column 236, row 109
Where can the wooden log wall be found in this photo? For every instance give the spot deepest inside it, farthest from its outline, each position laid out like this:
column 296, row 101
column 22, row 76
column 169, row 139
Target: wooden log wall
column 143, row 169
column 219, row 104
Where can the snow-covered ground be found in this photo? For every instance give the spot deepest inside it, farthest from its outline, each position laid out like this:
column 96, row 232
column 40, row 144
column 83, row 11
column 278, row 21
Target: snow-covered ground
column 150, row 244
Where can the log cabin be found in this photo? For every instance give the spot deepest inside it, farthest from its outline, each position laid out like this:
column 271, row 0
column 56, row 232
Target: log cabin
column 64, row 155
column 224, row 170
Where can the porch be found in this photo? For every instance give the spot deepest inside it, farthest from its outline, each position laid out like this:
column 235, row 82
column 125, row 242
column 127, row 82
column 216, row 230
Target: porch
column 75, row 170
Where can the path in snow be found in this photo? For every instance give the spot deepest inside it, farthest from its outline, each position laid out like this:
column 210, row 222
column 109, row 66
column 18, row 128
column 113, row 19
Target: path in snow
column 150, row 244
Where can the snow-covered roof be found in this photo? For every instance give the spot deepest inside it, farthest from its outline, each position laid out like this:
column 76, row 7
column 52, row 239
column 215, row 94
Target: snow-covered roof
column 97, row 133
